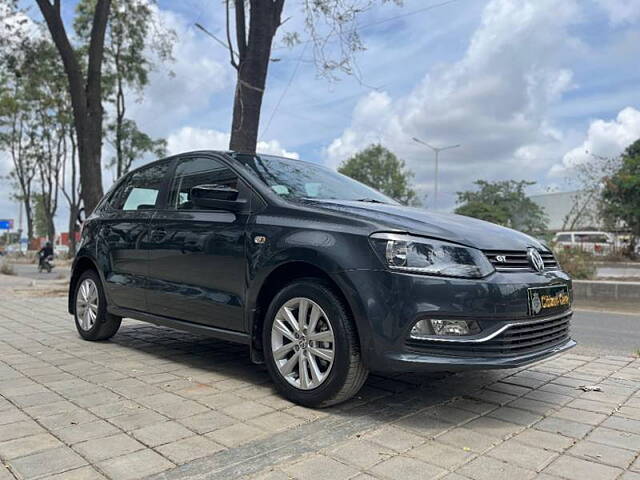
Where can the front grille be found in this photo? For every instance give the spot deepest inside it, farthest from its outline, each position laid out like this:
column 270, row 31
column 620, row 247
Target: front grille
column 519, row 339
column 516, row 260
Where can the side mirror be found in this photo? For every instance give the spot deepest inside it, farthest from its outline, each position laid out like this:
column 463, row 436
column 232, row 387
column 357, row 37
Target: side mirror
column 217, row 197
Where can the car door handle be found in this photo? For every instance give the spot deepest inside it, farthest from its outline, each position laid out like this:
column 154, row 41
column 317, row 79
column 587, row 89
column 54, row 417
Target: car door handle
column 158, row 234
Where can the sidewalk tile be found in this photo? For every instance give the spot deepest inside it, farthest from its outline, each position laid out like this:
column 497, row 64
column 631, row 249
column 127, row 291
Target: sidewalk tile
column 406, row 469
column 135, row 465
column 577, row 469
column 487, row 468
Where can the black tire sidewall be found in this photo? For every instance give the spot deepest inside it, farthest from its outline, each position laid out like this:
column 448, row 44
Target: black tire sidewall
column 94, row 332
column 337, row 316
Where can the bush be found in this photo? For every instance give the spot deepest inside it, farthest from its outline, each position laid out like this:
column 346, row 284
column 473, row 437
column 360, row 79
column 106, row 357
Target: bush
column 578, row 263
column 6, row 268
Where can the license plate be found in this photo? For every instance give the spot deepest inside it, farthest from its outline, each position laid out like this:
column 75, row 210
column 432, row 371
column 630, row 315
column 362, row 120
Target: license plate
column 544, row 300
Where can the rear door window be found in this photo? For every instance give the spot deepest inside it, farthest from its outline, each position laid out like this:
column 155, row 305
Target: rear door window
column 140, row 191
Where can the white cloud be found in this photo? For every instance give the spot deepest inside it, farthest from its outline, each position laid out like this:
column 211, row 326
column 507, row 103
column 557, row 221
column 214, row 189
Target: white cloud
column 621, row 11
column 193, row 138
column 604, row 138
column 184, row 88
column 495, row 100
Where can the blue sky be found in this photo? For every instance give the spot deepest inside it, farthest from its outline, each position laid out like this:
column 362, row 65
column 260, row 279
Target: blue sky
column 525, row 86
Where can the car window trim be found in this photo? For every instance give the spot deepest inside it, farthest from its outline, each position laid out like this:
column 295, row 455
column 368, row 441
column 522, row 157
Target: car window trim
column 178, row 158
column 162, row 191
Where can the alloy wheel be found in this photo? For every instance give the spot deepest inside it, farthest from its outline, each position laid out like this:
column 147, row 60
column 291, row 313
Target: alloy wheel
column 302, row 343
column 87, row 304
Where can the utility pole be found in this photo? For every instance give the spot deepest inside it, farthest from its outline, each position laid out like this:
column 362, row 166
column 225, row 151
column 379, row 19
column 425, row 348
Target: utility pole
column 436, row 151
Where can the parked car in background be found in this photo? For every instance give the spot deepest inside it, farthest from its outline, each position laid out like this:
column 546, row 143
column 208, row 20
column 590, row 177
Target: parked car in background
column 598, row 243
column 323, row 278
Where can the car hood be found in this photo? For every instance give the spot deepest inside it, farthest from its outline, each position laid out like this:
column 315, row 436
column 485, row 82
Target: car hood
column 455, row 228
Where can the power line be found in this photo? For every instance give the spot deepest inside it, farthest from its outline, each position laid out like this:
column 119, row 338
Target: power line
column 284, row 92
column 384, row 20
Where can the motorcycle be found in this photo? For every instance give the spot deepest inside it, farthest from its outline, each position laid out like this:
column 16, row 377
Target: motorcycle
column 45, row 263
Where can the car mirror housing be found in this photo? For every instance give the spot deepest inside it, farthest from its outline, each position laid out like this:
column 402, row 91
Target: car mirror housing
column 216, row 197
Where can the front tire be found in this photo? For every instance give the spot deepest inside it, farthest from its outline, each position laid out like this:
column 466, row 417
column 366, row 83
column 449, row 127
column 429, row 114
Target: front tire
column 93, row 322
column 311, row 345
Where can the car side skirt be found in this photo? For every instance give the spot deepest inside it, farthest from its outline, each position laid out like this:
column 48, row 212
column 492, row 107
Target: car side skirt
column 222, row 334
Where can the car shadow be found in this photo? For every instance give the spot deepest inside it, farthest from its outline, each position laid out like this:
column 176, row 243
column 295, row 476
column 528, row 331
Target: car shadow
column 207, row 361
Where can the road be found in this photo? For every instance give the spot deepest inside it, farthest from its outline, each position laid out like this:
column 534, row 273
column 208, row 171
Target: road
column 606, row 333
column 30, row 270
column 613, row 272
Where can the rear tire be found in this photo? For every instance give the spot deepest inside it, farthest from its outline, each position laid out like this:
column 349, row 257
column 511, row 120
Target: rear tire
column 328, row 368
column 93, row 322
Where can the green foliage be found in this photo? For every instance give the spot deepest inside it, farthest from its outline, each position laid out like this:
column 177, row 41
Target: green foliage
column 6, row 268
column 40, row 224
column 134, row 39
column 577, row 262
column 35, row 117
column 504, row 203
column 621, row 194
column 379, row 168
column 134, row 144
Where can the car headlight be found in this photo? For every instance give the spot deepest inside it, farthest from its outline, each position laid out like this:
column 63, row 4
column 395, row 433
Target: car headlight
column 407, row 253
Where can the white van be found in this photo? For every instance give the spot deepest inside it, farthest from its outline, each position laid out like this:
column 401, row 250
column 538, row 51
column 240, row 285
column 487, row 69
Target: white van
column 598, row 243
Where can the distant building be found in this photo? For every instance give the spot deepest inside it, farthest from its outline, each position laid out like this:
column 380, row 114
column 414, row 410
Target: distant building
column 569, row 211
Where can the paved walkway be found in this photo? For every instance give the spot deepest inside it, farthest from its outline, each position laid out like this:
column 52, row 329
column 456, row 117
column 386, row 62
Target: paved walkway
column 158, row 403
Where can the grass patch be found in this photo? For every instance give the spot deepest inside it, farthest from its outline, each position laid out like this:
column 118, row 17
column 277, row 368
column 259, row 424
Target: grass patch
column 6, row 268
column 577, row 263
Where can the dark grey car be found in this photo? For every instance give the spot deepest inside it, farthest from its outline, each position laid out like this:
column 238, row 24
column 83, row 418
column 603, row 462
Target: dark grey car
column 322, row 277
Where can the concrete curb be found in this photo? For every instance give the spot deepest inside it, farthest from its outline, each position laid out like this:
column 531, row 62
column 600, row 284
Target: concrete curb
column 607, row 291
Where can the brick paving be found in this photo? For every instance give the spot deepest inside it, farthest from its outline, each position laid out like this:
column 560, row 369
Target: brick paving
column 163, row 404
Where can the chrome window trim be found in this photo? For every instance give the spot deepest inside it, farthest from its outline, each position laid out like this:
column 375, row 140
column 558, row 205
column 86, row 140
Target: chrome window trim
column 494, row 334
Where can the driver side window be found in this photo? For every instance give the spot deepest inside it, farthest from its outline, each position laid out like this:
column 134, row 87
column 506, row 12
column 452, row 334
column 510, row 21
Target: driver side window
column 192, row 172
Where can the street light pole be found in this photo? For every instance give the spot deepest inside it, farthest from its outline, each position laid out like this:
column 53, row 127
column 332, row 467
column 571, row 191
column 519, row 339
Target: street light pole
column 436, row 151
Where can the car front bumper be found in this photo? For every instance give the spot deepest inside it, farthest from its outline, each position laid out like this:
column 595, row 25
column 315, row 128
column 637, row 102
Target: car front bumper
column 388, row 304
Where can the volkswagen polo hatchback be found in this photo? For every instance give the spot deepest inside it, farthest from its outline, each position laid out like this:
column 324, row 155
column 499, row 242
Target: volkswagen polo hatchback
column 323, row 278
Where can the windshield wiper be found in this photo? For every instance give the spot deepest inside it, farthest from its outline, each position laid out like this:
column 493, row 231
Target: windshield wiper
column 370, row 200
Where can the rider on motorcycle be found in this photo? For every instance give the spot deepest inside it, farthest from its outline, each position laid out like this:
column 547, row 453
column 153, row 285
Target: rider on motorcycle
column 45, row 252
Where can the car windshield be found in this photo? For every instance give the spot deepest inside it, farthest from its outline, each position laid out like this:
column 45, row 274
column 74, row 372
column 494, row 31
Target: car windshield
column 298, row 180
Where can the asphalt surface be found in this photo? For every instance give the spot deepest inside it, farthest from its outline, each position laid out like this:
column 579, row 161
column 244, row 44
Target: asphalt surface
column 605, row 333
column 30, row 270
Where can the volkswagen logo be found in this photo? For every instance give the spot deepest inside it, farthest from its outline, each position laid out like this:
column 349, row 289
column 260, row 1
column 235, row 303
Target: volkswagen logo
column 535, row 260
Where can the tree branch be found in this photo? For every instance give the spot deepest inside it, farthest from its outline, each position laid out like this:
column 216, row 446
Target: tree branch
column 96, row 52
column 241, row 30
column 229, row 44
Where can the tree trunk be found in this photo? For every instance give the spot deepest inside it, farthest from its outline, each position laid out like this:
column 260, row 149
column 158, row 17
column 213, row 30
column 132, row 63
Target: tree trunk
column 73, row 219
column 28, row 213
column 253, row 65
column 120, row 112
column 86, row 95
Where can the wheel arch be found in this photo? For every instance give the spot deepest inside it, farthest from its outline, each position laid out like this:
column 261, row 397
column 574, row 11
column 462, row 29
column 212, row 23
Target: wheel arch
column 273, row 283
column 80, row 265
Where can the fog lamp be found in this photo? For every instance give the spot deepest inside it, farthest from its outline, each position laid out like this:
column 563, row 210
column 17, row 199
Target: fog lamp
column 447, row 328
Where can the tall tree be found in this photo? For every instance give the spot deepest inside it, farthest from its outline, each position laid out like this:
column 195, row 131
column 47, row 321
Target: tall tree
column 134, row 34
column 379, row 168
column 16, row 116
column 85, row 91
column 49, row 101
column 621, row 194
column 70, row 187
column 15, row 120
column 504, row 203
column 255, row 30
